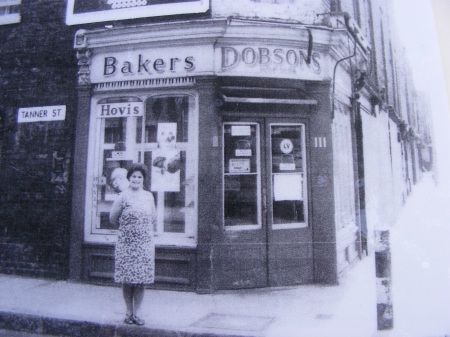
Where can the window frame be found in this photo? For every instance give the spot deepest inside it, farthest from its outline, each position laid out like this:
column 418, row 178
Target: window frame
column 96, row 145
column 258, row 174
column 293, row 225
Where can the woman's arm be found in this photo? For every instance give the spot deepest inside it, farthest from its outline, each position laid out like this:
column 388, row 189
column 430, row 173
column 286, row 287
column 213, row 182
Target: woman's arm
column 116, row 211
column 153, row 212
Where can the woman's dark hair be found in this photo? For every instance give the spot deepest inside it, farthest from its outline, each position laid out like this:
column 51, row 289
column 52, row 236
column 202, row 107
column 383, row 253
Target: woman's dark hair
column 137, row 168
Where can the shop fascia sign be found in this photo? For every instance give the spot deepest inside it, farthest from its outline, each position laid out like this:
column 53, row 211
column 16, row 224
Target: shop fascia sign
column 269, row 61
column 41, row 114
column 166, row 62
column 88, row 11
column 151, row 63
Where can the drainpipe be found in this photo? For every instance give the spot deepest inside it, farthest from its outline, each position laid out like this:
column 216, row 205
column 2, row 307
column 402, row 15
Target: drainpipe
column 334, row 79
column 356, row 40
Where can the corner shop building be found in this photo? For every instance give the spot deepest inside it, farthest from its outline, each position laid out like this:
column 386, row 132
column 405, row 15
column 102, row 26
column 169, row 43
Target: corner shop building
column 234, row 120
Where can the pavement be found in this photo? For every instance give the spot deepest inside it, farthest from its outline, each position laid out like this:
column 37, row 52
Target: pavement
column 64, row 308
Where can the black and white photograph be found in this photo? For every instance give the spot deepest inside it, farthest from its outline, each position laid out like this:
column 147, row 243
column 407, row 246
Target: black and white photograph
column 224, row 168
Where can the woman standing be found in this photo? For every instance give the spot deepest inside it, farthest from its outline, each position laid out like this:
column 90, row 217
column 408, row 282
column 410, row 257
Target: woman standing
column 134, row 211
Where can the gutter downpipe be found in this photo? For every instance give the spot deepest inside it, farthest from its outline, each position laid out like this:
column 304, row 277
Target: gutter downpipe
column 356, row 41
column 334, row 79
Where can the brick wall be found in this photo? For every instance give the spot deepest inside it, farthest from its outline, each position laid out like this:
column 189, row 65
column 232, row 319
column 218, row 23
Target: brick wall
column 37, row 68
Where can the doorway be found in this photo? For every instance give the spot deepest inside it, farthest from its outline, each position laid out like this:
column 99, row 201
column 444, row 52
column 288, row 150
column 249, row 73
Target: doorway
column 267, row 234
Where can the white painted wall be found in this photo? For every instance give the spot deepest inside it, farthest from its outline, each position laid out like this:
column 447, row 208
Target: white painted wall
column 298, row 10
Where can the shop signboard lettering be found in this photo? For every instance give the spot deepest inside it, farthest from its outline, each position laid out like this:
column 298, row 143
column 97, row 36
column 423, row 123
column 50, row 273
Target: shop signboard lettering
column 165, row 62
column 87, row 11
column 151, row 64
column 112, row 66
column 41, row 114
column 270, row 61
column 126, row 109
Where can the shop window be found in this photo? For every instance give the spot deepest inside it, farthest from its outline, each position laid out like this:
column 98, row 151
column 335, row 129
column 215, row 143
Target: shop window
column 9, row 11
column 161, row 133
column 242, row 183
column 288, row 175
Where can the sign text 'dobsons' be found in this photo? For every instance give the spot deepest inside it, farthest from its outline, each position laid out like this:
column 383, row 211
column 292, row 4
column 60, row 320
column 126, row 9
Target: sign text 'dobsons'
column 232, row 57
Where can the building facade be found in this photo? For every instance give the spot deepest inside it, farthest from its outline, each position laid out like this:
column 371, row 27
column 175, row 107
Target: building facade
column 278, row 136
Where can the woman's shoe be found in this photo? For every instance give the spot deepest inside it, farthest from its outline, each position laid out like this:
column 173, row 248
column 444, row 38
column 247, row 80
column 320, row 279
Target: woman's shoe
column 129, row 319
column 138, row 321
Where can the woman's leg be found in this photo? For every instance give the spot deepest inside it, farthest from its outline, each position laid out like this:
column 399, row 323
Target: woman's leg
column 128, row 296
column 138, row 296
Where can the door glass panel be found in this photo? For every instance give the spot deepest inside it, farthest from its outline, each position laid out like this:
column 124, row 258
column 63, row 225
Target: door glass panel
column 288, row 174
column 242, row 206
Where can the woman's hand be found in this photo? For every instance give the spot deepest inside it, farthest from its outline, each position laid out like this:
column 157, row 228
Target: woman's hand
column 116, row 211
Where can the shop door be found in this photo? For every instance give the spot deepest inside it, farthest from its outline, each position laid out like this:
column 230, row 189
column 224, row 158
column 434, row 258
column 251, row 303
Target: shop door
column 289, row 236
column 266, row 202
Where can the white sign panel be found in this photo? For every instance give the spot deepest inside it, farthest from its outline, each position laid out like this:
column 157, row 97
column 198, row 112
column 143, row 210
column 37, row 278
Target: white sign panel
column 87, row 11
column 243, row 153
column 287, row 187
column 152, row 63
column 241, row 130
column 42, row 114
column 125, row 109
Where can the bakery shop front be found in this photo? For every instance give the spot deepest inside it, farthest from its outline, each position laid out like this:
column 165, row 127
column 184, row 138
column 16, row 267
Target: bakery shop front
column 232, row 118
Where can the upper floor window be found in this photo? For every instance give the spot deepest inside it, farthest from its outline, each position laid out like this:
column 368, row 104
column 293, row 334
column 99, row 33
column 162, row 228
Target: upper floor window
column 335, row 6
column 9, row 11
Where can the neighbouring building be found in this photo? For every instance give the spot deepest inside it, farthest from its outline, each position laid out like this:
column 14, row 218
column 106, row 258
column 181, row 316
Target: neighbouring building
column 278, row 135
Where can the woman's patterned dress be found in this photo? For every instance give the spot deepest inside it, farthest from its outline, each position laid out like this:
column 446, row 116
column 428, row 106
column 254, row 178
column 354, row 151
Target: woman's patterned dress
column 135, row 249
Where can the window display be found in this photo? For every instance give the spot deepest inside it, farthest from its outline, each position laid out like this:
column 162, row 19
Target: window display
column 161, row 133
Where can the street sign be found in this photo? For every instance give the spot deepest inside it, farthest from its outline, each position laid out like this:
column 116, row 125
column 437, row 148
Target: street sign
column 41, row 114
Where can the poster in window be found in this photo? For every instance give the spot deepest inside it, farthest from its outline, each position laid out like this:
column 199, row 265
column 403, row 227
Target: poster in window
column 166, row 166
column 166, row 135
column 287, row 187
column 166, row 163
column 239, row 166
